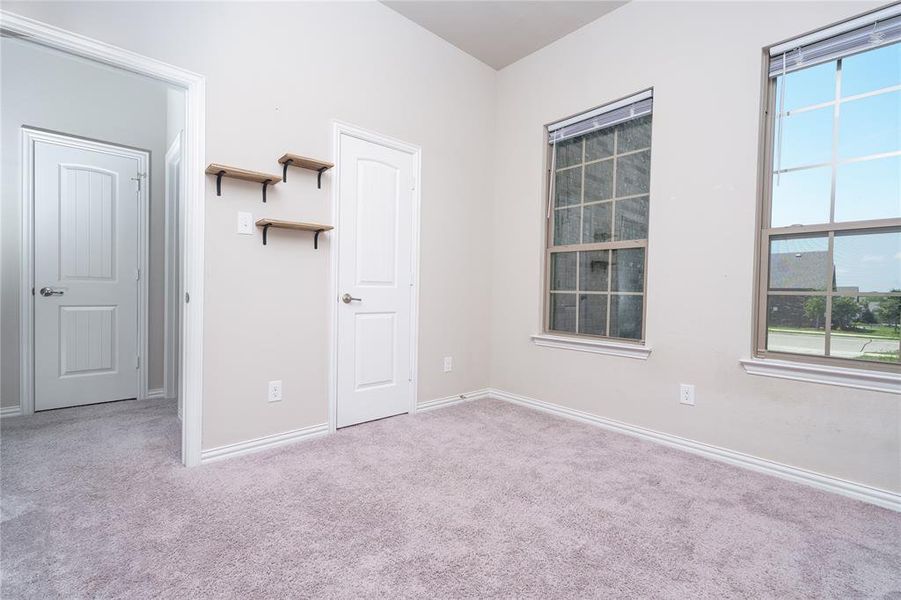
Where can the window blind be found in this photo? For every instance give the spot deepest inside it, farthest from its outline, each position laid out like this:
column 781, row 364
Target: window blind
column 604, row 116
column 882, row 29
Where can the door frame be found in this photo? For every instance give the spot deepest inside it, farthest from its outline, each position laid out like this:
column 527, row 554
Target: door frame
column 171, row 317
column 30, row 137
column 340, row 129
column 192, row 211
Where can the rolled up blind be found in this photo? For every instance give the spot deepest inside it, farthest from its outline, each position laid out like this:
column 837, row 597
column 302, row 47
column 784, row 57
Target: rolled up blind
column 865, row 33
column 605, row 116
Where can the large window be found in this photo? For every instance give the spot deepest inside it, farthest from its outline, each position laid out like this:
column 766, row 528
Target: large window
column 599, row 193
column 831, row 231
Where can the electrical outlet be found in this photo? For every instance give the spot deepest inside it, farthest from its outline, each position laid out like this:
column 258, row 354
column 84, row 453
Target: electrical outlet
column 275, row 391
column 245, row 223
column 687, row 394
column 448, row 364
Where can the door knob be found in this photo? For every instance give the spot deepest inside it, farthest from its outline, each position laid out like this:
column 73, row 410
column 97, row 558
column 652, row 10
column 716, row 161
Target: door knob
column 347, row 299
column 49, row 291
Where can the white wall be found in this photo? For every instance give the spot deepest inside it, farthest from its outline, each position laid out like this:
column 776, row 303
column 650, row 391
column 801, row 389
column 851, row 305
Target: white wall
column 277, row 75
column 43, row 88
column 704, row 62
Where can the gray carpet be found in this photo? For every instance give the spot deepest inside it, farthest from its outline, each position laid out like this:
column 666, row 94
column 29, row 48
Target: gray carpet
column 477, row 500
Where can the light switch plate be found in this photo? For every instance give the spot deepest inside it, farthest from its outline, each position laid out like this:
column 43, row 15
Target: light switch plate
column 448, row 364
column 245, row 223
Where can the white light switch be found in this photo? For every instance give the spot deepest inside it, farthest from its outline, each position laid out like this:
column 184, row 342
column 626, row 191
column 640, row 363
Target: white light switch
column 245, row 223
column 448, row 364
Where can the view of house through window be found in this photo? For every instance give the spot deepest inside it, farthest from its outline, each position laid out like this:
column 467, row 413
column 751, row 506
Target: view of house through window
column 598, row 221
column 831, row 239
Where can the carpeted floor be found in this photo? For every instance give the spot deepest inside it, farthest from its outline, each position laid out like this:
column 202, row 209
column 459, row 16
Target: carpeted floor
column 477, row 500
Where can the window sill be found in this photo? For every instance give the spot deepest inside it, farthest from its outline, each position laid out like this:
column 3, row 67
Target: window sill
column 591, row 345
column 862, row 379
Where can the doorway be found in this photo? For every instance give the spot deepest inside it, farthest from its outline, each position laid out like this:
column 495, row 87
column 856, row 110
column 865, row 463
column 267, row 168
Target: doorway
column 377, row 208
column 187, row 290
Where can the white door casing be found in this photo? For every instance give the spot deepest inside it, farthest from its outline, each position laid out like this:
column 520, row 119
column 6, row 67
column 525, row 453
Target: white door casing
column 376, row 268
column 87, row 260
column 175, row 194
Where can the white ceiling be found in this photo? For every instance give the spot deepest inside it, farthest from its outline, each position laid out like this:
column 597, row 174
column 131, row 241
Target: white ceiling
column 500, row 32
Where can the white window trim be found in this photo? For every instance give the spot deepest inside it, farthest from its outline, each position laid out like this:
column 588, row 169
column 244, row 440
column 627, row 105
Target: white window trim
column 861, row 379
column 595, row 346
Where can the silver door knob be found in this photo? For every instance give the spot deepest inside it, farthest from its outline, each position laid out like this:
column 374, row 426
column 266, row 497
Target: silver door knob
column 49, row 291
column 347, row 299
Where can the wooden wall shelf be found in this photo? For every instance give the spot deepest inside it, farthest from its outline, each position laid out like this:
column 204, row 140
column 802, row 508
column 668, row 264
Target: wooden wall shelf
column 303, row 162
column 317, row 228
column 221, row 171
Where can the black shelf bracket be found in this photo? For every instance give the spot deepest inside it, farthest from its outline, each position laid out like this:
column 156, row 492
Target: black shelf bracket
column 319, row 178
column 265, row 185
column 219, row 182
column 315, row 236
column 285, row 169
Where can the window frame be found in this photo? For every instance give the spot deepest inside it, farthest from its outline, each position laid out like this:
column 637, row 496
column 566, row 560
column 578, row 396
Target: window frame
column 549, row 249
column 765, row 232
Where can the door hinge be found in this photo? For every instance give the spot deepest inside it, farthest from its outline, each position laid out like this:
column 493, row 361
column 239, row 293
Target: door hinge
column 138, row 274
column 187, row 298
column 413, row 183
column 137, row 362
column 138, row 178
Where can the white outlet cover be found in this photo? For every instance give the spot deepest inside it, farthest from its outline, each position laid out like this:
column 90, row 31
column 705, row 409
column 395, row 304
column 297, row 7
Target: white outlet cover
column 448, row 364
column 687, row 394
column 275, row 391
column 245, row 223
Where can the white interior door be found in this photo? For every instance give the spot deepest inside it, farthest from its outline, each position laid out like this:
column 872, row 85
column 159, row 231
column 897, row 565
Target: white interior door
column 86, row 241
column 375, row 281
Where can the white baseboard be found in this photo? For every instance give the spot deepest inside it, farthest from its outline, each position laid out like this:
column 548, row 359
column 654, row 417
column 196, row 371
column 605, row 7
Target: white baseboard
column 451, row 400
column 158, row 393
column 879, row 497
column 290, row 437
column 884, row 498
column 263, row 443
column 10, row 411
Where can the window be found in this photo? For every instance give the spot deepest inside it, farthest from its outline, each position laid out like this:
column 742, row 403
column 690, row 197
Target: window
column 830, row 253
column 599, row 194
